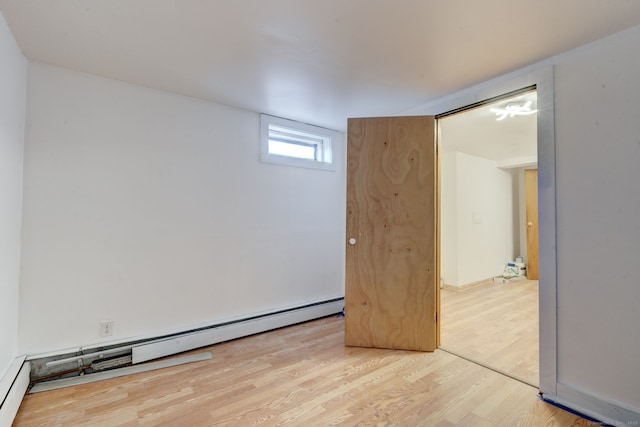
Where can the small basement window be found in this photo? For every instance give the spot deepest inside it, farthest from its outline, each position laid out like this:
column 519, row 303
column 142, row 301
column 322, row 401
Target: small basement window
column 291, row 143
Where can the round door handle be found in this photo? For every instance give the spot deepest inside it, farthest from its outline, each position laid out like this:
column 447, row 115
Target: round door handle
column 352, row 241
column 530, row 224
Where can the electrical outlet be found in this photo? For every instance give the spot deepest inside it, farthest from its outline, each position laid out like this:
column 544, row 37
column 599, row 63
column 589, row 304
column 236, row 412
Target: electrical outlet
column 106, row 328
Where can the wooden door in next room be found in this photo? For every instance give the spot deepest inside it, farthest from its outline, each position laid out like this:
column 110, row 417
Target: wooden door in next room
column 531, row 208
column 391, row 269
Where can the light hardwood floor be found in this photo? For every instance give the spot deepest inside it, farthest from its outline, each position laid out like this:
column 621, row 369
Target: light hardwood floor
column 302, row 376
column 494, row 324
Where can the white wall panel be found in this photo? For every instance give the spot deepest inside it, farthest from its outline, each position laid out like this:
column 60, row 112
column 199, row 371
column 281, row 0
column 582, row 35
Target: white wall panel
column 479, row 217
column 13, row 82
column 598, row 151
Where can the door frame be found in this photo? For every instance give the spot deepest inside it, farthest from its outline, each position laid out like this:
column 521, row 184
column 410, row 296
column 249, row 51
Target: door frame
column 542, row 79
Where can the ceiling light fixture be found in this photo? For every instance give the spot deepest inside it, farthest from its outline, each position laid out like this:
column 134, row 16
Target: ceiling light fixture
column 512, row 110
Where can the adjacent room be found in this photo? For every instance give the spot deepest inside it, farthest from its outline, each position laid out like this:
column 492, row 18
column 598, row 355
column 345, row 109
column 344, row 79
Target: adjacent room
column 194, row 194
column 489, row 298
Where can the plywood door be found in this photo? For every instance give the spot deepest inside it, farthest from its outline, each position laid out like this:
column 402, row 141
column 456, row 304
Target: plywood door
column 391, row 286
column 531, row 202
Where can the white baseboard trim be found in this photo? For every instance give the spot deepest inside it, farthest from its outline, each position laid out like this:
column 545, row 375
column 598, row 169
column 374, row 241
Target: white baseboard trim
column 13, row 387
column 592, row 406
column 214, row 335
column 466, row 286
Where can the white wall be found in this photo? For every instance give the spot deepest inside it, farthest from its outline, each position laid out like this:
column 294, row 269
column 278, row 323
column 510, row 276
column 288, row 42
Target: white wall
column 153, row 210
column 598, row 205
column 479, row 217
column 13, row 81
column 449, row 218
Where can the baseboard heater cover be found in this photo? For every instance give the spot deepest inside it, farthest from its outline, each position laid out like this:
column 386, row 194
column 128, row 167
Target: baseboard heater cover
column 13, row 387
column 44, row 368
column 120, row 372
column 229, row 331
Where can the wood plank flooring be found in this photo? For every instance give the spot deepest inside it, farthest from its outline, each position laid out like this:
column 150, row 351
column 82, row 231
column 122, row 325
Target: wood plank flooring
column 494, row 324
column 302, row 375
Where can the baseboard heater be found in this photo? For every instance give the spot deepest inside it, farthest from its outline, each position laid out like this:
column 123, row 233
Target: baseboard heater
column 46, row 369
column 13, row 386
column 232, row 330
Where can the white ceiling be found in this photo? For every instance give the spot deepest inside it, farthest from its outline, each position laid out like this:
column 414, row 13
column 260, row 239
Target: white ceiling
column 318, row 61
column 510, row 142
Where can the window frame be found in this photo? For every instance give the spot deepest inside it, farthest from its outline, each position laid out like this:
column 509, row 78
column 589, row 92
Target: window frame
column 297, row 133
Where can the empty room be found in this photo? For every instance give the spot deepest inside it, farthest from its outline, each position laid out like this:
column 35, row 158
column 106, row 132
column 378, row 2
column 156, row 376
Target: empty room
column 255, row 212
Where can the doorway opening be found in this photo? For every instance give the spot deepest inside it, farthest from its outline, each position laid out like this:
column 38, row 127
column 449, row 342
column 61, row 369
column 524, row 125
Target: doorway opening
column 488, row 234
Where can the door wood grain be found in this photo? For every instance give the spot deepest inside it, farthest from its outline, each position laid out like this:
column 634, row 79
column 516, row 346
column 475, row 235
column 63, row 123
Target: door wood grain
column 391, row 270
